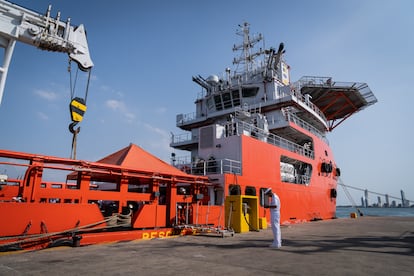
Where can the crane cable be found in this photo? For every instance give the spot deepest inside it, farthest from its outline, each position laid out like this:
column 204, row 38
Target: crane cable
column 77, row 106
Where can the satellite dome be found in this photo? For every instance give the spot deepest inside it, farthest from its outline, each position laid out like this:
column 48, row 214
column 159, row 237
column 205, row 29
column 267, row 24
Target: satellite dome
column 212, row 80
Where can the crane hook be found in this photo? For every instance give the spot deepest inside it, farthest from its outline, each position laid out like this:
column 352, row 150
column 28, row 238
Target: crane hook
column 72, row 126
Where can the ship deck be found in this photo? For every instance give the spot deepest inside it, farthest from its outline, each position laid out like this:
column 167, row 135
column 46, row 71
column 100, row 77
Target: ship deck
column 362, row 246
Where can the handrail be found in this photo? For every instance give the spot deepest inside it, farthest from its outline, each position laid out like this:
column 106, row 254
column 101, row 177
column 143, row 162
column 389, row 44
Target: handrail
column 211, row 166
column 182, row 138
column 327, row 82
column 181, row 119
column 270, row 138
column 302, row 123
column 239, row 127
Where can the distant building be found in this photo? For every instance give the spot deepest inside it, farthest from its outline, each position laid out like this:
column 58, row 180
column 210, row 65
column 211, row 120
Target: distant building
column 379, row 201
column 404, row 202
column 387, row 201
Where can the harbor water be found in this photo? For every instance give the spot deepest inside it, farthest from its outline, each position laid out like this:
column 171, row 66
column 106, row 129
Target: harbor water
column 344, row 212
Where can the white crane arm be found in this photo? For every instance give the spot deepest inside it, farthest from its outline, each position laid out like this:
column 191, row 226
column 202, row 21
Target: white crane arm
column 47, row 33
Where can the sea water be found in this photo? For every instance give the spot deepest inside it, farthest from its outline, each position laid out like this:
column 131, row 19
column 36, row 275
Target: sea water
column 344, row 212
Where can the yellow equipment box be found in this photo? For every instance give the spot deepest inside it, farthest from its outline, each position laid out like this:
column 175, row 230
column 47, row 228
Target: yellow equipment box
column 262, row 223
column 242, row 213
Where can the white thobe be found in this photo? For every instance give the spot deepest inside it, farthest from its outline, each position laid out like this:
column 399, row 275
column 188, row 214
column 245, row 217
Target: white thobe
column 275, row 220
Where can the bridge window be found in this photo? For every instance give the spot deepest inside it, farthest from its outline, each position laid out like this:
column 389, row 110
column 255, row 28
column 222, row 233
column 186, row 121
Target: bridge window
column 217, row 102
column 236, row 97
column 249, row 91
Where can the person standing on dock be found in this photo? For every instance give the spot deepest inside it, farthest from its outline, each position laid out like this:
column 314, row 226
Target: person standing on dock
column 274, row 218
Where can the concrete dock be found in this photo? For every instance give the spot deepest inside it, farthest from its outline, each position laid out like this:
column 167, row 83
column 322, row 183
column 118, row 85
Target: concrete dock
column 361, row 246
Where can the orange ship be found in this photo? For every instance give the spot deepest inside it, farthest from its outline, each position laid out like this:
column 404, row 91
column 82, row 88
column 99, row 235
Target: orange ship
column 252, row 129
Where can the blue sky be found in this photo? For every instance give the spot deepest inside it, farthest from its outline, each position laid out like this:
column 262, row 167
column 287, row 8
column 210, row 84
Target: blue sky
column 145, row 53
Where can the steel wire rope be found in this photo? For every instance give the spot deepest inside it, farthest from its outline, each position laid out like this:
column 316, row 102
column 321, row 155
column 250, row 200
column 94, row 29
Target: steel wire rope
column 85, row 228
column 72, row 85
column 372, row 192
column 349, row 196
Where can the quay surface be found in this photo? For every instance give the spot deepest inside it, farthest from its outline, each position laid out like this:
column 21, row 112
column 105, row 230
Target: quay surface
column 361, row 246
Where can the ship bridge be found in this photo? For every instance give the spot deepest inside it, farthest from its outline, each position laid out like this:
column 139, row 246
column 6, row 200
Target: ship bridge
column 337, row 100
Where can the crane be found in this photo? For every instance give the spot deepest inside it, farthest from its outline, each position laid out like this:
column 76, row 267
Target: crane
column 44, row 32
column 20, row 24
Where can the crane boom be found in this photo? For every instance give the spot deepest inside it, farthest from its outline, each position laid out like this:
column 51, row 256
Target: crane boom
column 43, row 31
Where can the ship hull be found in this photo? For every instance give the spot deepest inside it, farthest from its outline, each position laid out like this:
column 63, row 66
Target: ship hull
column 299, row 202
column 95, row 202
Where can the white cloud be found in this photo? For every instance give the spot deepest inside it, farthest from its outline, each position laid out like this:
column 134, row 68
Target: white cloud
column 163, row 144
column 47, row 95
column 105, row 88
column 42, row 116
column 115, row 105
column 161, row 110
column 163, row 135
column 120, row 107
column 157, row 130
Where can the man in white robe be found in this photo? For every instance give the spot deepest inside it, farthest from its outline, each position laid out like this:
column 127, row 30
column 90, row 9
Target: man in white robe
column 274, row 218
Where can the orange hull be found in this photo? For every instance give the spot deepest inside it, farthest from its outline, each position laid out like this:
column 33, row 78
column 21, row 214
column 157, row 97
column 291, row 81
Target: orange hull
column 299, row 203
column 96, row 202
column 35, row 218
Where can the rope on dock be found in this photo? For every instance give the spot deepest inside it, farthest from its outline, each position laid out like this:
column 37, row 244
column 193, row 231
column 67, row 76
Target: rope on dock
column 116, row 220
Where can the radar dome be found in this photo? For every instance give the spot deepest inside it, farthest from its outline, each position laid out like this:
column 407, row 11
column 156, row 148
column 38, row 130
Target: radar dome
column 212, row 80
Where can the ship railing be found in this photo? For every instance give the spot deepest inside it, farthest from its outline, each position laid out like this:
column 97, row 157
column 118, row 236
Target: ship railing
column 302, row 123
column 243, row 128
column 183, row 138
column 289, row 145
column 208, row 167
column 316, row 81
column 182, row 119
column 313, row 81
column 307, row 101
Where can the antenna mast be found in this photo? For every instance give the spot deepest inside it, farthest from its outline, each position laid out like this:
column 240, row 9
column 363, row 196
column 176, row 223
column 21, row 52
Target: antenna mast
column 247, row 57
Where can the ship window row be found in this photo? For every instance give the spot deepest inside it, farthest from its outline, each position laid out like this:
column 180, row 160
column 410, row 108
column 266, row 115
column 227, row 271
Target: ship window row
column 229, row 99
